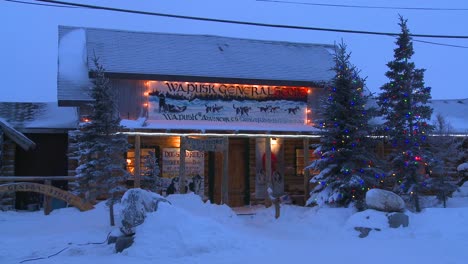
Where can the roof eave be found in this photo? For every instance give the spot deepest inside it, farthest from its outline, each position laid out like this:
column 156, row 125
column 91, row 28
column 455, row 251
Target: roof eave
column 211, row 79
column 19, row 138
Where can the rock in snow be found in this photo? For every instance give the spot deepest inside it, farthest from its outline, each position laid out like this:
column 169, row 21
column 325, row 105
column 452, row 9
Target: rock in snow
column 136, row 203
column 384, row 201
column 396, row 220
column 123, row 242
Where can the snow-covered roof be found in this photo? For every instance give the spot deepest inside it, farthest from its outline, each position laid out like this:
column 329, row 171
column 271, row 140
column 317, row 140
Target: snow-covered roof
column 455, row 113
column 197, row 56
column 39, row 115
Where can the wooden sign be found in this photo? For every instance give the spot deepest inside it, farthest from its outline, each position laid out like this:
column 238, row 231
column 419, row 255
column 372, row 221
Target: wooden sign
column 217, row 103
column 47, row 190
column 204, row 144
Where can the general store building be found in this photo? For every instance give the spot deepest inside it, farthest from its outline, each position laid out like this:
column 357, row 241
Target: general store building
column 227, row 101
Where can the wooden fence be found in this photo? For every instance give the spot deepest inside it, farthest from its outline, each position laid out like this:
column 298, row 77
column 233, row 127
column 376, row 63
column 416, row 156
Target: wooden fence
column 25, row 184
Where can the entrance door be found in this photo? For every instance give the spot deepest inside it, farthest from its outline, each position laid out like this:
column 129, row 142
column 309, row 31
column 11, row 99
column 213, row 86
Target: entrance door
column 237, row 173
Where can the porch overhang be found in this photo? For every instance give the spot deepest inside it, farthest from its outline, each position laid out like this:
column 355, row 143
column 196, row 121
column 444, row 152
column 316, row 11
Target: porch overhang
column 19, row 138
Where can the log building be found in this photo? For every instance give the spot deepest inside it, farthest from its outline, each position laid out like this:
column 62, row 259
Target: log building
column 225, row 102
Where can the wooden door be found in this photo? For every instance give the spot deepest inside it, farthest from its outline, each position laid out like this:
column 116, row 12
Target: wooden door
column 237, row 173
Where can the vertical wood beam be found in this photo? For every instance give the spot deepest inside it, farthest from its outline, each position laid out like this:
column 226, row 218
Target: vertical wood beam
column 182, row 165
column 224, row 182
column 246, row 145
column 306, row 171
column 268, row 171
column 47, row 204
column 211, row 175
column 137, row 176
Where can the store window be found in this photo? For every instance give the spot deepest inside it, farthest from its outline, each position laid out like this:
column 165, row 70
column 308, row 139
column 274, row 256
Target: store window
column 300, row 164
column 146, row 155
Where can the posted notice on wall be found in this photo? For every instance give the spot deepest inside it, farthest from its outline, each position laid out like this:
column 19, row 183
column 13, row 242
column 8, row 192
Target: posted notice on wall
column 194, row 171
column 194, row 163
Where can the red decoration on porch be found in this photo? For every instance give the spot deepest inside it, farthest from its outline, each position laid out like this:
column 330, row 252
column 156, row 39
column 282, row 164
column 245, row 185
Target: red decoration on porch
column 274, row 161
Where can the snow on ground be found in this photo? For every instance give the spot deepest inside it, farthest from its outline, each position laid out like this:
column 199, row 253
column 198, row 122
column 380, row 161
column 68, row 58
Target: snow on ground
column 190, row 231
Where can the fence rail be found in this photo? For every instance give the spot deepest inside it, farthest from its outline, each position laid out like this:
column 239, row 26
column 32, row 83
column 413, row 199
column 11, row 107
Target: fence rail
column 47, row 189
column 36, row 178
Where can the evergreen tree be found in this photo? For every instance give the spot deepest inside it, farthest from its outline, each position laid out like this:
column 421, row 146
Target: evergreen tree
column 151, row 173
column 447, row 151
column 101, row 173
column 404, row 106
column 347, row 166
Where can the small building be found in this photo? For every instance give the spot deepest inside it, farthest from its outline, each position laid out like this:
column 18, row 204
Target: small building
column 33, row 142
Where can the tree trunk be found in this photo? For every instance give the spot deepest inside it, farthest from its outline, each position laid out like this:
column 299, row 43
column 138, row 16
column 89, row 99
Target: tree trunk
column 416, row 201
column 111, row 212
column 444, row 197
column 415, row 190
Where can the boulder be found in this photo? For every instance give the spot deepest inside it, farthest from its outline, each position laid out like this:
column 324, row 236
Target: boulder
column 136, row 203
column 396, row 220
column 384, row 201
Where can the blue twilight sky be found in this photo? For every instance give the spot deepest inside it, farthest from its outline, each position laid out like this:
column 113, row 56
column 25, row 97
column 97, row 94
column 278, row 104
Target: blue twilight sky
column 28, row 49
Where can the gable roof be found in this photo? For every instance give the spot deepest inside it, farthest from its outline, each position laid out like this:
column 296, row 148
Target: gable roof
column 452, row 110
column 199, row 57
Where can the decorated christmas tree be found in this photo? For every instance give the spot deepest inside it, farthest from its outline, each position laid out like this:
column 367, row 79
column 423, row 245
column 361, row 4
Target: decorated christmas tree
column 101, row 172
column 404, row 107
column 346, row 165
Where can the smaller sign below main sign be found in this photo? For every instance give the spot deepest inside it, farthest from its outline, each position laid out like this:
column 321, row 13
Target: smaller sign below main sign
column 204, row 144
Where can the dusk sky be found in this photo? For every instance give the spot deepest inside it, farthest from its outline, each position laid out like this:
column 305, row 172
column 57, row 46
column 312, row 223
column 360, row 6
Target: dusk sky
column 28, row 49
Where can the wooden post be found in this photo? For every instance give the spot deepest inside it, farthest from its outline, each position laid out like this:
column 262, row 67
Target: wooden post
column 137, row 175
column 224, row 183
column 47, row 200
column 381, row 149
column 268, row 201
column 306, row 171
column 182, row 166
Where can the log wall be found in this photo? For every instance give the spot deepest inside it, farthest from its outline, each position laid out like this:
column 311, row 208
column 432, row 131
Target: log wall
column 7, row 168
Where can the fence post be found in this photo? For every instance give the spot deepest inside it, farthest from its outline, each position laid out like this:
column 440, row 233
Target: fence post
column 47, row 200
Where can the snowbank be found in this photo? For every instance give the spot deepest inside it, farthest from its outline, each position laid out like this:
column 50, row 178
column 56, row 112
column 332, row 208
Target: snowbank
column 187, row 227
